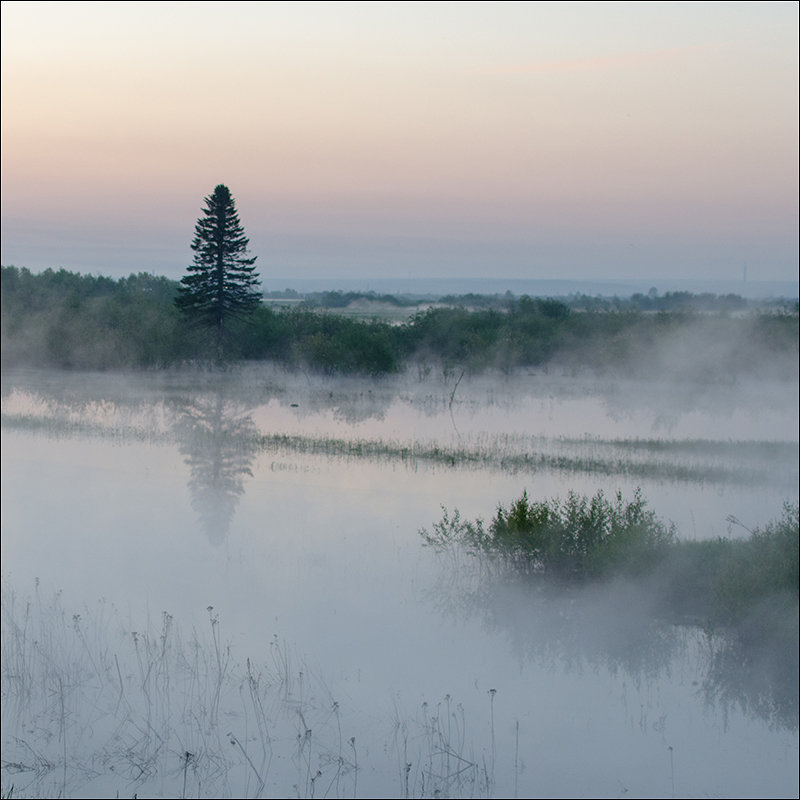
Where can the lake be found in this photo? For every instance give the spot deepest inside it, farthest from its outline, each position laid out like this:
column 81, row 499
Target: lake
column 214, row 585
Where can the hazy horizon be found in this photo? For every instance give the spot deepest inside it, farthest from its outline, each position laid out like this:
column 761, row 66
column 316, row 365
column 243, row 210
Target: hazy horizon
column 577, row 141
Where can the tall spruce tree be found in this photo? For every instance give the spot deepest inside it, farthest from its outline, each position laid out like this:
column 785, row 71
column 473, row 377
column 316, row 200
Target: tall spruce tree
column 221, row 283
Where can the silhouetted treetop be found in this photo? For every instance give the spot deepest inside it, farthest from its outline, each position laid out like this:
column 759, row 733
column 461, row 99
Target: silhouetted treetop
column 221, row 282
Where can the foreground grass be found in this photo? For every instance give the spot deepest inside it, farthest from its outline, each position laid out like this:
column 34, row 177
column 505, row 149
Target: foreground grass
column 92, row 709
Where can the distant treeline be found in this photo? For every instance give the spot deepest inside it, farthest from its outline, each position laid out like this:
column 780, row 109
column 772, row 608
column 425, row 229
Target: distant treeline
column 339, row 299
column 652, row 301
column 68, row 320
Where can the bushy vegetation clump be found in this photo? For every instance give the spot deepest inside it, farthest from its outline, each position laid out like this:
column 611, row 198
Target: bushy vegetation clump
column 721, row 581
column 579, row 537
column 727, row 580
column 61, row 319
column 741, row 592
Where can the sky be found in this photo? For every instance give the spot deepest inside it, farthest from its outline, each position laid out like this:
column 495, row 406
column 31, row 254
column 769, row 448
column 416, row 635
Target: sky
column 531, row 140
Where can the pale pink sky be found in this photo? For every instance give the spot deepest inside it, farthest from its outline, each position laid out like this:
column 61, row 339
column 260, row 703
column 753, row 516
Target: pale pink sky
column 533, row 140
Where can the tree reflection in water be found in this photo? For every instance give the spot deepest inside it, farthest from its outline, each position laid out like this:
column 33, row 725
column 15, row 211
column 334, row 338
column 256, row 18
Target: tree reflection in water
column 218, row 439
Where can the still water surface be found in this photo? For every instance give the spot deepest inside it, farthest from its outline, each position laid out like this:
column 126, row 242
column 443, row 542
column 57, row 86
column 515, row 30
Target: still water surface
column 262, row 530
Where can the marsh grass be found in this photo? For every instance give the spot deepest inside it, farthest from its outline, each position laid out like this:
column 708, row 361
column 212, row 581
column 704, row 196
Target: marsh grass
column 90, row 708
column 435, row 756
column 130, row 416
column 96, row 705
column 521, row 455
column 727, row 580
column 699, row 461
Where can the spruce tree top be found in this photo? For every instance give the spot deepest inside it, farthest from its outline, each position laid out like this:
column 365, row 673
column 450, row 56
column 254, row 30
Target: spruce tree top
column 219, row 236
column 222, row 281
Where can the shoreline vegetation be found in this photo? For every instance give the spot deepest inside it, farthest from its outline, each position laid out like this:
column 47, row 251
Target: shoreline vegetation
column 67, row 320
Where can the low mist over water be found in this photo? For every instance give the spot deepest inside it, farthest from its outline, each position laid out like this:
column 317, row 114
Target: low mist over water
column 214, row 584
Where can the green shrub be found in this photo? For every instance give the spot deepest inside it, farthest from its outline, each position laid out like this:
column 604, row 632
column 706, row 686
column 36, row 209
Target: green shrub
column 749, row 583
column 578, row 537
column 762, row 566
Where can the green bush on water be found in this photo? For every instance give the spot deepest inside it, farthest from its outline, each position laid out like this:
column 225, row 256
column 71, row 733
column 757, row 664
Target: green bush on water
column 576, row 537
column 580, row 538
